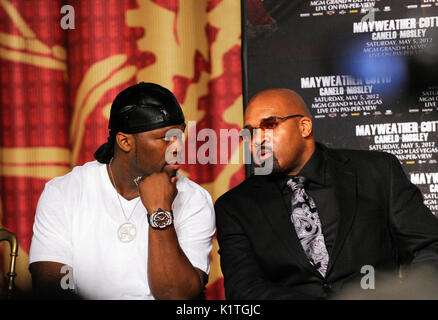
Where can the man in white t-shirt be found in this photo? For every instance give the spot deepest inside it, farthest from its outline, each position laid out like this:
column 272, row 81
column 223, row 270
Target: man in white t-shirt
column 126, row 226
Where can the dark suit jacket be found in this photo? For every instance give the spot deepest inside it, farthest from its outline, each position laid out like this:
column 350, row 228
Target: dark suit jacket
column 382, row 222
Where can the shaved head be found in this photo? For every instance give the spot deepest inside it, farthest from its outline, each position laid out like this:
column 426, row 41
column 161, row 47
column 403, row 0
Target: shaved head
column 289, row 99
column 292, row 143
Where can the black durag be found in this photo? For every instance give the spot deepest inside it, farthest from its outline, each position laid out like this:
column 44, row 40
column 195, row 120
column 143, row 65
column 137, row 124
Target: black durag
column 139, row 108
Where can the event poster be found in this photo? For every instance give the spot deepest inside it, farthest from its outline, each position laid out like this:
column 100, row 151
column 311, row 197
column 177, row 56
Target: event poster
column 367, row 70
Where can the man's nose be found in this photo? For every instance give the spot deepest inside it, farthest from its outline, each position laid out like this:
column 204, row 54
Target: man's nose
column 177, row 146
column 261, row 137
column 258, row 137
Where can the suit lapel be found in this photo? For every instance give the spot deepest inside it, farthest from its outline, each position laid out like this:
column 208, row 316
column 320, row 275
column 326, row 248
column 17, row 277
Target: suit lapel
column 346, row 195
column 275, row 211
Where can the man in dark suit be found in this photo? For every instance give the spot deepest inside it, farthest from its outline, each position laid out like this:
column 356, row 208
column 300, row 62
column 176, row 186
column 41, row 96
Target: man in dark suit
column 324, row 220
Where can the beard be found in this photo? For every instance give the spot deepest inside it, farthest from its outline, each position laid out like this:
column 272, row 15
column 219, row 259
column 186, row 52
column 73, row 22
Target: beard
column 276, row 169
column 272, row 160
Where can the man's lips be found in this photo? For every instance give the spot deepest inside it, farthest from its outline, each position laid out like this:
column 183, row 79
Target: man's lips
column 173, row 166
column 264, row 153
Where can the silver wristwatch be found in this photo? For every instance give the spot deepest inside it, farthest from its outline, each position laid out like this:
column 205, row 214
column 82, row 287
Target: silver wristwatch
column 160, row 219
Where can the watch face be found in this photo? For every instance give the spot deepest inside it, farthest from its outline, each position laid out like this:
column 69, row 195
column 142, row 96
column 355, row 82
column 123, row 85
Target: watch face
column 161, row 219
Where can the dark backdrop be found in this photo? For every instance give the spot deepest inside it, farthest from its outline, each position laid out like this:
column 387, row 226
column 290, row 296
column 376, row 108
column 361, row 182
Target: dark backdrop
column 367, row 70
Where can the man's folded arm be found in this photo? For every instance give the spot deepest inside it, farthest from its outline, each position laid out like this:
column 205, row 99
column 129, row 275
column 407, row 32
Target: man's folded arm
column 243, row 278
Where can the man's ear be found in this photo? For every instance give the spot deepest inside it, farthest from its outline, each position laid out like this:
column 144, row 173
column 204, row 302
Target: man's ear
column 125, row 141
column 306, row 127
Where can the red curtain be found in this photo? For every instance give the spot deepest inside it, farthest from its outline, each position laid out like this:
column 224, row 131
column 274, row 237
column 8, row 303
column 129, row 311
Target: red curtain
column 57, row 85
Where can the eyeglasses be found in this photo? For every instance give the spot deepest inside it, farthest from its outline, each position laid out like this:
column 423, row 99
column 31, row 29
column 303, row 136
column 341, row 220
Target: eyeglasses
column 266, row 123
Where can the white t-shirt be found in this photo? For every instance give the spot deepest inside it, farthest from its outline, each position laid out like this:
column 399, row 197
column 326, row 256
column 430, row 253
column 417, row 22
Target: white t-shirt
column 76, row 223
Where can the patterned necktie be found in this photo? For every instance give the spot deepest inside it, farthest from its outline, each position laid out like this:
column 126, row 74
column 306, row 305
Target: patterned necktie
column 307, row 225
